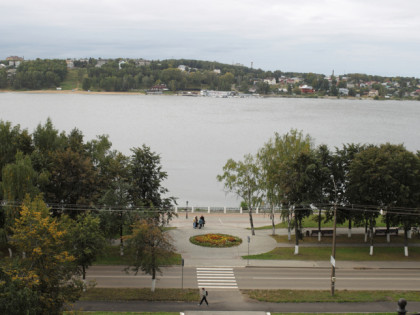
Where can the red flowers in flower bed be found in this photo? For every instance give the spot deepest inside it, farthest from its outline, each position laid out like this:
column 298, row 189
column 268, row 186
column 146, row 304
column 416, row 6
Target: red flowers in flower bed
column 215, row 240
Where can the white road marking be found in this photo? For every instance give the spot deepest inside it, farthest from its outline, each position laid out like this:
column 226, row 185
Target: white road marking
column 216, row 278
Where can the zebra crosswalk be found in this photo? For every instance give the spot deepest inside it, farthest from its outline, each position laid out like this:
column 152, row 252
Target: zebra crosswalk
column 216, row 278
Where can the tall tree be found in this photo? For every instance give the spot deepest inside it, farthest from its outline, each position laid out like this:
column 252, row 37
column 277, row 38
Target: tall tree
column 12, row 140
column 243, row 179
column 340, row 170
column 146, row 191
column 19, row 179
column 290, row 169
column 150, row 245
column 85, row 240
column 72, row 179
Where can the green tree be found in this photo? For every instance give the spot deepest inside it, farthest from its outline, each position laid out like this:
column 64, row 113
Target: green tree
column 86, row 83
column 85, row 240
column 12, row 140
column 385, row 176
column 225, row 82
column 243, row 179
column 340, row 170
column 150, row 245
column 292, row 166
column 115, row 197
column 19, row 179
column 72, row 179
column 146, row 190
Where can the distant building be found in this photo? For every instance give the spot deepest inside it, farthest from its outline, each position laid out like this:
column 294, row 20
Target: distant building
column 182, row 67
column 343, row 91
column 101, row 62
column 70, row 63
column 306, row 89
column 157, row 89
column 270, row 81
column 217, row 71
column 142, row 62
column 14, row 61
column 373, row 93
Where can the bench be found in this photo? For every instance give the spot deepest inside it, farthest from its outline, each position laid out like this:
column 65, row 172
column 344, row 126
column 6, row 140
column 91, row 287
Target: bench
column 380, row 232
column 323, row 232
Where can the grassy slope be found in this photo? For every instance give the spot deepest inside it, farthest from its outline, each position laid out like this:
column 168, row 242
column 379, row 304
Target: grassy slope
column 73, row 80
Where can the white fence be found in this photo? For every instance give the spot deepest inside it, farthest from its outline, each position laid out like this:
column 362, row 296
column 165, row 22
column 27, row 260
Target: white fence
column 222, row 210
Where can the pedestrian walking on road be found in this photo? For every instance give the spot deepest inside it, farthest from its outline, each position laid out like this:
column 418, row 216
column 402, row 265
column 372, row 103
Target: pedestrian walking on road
column 204, row 294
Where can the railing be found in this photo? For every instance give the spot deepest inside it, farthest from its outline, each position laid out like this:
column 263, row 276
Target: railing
column 223, row 210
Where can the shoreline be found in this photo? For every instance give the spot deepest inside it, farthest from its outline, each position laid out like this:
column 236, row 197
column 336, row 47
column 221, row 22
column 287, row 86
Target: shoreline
column 142, row 93
column 71, row 92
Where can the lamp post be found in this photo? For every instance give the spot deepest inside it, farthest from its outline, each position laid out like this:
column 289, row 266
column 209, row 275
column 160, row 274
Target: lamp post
column 186, row 211
column 334, row 239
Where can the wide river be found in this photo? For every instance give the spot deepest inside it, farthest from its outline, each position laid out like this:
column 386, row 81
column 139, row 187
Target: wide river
column 195, row 136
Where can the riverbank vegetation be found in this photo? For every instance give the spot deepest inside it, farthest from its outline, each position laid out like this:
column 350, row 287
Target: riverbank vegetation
column 180, row 75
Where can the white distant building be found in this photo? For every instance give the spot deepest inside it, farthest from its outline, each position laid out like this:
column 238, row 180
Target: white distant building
column 343, row 91
column 270, row 81
column 182, row 67
column 14, row 61
column 70, row 63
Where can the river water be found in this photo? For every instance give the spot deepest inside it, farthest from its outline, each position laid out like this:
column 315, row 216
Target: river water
column 195, row 136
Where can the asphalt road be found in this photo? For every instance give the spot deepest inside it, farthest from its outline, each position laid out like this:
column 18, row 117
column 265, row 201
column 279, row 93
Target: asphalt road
column 260, row 278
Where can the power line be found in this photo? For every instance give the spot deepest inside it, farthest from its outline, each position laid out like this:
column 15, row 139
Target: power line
column 150, row 209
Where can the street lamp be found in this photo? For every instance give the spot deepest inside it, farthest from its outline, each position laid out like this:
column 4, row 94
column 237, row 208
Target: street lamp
column 186, row 211
column 334, row 239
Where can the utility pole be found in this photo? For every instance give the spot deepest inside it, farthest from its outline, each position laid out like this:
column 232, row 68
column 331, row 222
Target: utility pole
column 334, row 239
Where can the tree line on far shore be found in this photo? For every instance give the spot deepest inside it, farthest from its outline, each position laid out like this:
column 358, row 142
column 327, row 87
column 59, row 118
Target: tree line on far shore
column 361, row 180
column 121, row 75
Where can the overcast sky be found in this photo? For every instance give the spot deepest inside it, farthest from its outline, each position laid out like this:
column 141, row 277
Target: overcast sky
column 348, row 36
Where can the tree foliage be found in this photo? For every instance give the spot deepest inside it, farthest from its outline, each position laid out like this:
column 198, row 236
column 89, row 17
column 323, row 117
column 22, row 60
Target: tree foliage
column 150, row 245
column 45, row 265
column 243, row 179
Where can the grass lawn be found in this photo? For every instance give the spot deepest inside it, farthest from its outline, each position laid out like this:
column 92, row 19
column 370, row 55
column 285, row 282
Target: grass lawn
column 111, row 256
column 141, row 294
column 74, row 79
column 312, row 223
column 344, row 239
column 309, row 296
column 121, row 313
column 343, row 253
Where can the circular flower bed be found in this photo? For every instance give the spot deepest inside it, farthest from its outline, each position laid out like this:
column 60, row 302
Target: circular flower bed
column 215, row 240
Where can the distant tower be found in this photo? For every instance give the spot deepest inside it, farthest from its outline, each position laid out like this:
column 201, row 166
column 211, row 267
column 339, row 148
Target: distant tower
column 252, row 64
